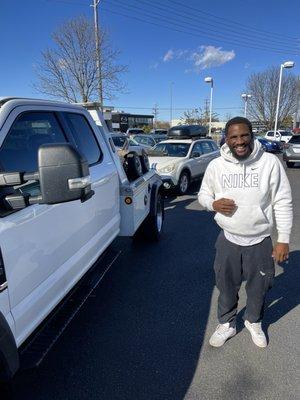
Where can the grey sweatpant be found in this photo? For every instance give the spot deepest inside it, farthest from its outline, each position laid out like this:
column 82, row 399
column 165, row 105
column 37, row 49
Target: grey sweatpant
column 233, row 264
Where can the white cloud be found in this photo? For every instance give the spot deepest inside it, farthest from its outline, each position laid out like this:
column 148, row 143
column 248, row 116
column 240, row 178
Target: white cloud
column 201, row 58
column 169, row 55
column 210, row 56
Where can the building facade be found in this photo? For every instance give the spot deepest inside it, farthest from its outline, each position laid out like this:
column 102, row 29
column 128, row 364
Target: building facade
column 122, row 121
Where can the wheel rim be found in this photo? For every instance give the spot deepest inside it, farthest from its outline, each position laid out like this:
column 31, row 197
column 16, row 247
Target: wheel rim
column 184, row 182
column 159, row 215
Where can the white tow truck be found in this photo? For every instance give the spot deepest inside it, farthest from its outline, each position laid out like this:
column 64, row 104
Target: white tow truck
column 64, row 197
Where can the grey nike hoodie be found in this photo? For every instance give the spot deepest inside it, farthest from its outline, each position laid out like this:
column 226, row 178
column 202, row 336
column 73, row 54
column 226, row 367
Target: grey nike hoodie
column 259, row 187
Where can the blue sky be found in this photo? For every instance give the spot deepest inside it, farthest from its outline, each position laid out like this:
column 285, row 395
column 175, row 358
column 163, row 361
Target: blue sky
column 210, row 38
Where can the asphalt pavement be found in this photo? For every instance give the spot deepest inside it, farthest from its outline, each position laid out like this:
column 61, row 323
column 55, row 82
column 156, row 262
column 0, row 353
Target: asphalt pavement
column 143, row 333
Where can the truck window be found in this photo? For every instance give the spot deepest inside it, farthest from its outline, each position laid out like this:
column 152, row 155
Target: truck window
column 84, row 137
column 20, row 147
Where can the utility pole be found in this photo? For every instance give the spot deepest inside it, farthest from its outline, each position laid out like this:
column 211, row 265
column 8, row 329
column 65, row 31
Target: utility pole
column 155, row 113
column 98, row 53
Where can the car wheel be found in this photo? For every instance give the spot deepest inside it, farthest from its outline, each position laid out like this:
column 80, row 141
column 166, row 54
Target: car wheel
column 290, row 164
column 145, row 162
column 133, row 166
column 183, row 183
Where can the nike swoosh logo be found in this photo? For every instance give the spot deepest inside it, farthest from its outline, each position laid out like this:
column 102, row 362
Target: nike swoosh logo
column 254, row 168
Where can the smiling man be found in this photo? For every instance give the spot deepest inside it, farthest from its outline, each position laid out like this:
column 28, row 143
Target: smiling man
column 244, row 187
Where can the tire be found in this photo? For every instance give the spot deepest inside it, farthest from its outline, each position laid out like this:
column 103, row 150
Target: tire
column 290, row 164
column 152, row 227
column 145, row 162
column 183, row 183
column 133, row 166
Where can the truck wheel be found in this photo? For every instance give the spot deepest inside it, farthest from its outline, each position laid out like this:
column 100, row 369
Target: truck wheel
column 151, row 228
column 183, row 183
column 145, row 162
column 154, row 223
column 290, row 164
column 134, row 167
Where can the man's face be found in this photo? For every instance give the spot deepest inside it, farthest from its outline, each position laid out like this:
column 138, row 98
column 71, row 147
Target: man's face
column 240, row 141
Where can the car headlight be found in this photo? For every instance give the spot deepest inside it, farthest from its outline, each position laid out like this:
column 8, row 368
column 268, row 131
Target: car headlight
column 167, row 169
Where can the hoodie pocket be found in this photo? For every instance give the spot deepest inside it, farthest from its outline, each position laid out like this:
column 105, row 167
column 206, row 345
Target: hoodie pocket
column 246, row 220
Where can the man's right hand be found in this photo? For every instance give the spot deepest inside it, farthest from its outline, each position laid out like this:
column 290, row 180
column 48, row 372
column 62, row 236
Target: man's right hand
column 224, row 206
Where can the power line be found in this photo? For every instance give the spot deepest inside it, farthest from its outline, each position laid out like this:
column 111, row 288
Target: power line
column 216, row 26
column 175, row 108
column 210, row 36
column 204, row 34
column 230, row 22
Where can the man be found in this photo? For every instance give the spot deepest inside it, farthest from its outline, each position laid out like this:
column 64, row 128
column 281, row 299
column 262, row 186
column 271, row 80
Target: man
column 245, row 187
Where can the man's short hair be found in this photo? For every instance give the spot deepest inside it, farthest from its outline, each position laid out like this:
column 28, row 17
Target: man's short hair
column 238, row 120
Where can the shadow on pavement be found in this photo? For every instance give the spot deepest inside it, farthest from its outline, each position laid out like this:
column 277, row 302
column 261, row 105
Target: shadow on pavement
column 139, row 336
column 284, row 296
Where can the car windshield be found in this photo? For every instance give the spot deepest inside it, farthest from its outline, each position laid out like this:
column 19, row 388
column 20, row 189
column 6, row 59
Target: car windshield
column 171, row 149
column 295, row 139
column 119, row 140
column 132, row 142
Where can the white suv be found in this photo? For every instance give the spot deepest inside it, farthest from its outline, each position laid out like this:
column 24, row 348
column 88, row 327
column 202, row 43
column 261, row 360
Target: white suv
column 280, row 136
column 180, row 161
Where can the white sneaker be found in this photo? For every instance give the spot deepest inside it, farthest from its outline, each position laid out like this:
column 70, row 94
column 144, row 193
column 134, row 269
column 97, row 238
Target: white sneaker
column 221, row 334
column 257, row 334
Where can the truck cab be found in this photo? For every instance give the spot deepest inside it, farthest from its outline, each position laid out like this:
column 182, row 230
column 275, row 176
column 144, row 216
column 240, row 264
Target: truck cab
column 64, row 197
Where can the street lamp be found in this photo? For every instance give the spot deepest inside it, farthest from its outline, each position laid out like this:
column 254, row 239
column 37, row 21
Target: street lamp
column 171, row 103
column 246, row 96
column 210, row 80
column 287, row 64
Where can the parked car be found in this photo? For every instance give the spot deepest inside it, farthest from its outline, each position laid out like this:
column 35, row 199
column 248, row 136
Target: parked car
column 291, row 151
column 280, row 136
column 64, row 198
column 270, row 146
column 134, row 131
column 180, row 161
column 148, row 141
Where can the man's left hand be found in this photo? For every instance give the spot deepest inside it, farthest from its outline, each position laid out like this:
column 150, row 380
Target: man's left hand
column 280, row 252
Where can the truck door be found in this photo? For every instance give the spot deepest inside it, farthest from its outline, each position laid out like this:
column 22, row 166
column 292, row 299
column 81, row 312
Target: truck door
column 46, row 248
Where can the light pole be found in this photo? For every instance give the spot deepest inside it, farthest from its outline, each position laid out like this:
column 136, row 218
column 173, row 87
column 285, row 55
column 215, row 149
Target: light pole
column 287, row 64
column 171, row 103
column 210, row 80
column 246, row 96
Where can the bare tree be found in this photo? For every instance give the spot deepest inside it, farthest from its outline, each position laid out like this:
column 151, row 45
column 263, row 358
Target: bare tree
column 68, row 71
column 264, row 89
column 198, row 116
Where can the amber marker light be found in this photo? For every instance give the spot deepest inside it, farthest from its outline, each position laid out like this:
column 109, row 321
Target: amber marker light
column 128, row 200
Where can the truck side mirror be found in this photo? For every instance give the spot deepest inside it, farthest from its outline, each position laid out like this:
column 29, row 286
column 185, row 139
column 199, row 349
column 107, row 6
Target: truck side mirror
column 63, row 174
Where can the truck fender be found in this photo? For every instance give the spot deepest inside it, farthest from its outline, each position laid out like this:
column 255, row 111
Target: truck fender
column 156, row 188
column 9, row 356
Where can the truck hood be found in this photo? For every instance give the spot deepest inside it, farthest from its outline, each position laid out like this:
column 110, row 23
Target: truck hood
column 164, row 161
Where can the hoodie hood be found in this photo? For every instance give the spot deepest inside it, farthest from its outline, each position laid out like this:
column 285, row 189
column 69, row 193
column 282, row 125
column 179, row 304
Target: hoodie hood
column 254, row 156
